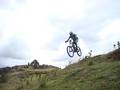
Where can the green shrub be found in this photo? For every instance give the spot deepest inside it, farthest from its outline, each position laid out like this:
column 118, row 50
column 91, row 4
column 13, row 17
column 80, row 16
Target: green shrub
column 3, row 78
column 43, row 81
column 27, row 82
column 90, row 63
column 20, row 87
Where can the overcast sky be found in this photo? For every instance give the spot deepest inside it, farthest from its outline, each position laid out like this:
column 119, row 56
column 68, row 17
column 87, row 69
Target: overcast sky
column 37, row 29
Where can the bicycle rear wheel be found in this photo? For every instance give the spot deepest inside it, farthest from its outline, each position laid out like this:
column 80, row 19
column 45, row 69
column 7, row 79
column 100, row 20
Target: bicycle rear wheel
column 70, row 51
column 79, row 53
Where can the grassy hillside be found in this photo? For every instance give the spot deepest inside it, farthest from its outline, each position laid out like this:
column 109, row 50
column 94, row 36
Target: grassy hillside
column 101, row 72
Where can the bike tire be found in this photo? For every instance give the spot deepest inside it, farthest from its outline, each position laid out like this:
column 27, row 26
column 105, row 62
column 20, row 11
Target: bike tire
column 79, row 52
column 70, row 53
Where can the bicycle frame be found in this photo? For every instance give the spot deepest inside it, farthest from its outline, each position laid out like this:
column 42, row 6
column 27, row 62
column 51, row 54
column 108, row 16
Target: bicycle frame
column 71, row 44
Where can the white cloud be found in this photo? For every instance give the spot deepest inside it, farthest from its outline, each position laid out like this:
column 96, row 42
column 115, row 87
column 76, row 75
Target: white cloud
column 109, row 35
column 29, row 24
column 110, row 31
column 30, row 21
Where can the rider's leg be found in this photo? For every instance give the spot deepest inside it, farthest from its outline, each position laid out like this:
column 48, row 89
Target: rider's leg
column 75, row 46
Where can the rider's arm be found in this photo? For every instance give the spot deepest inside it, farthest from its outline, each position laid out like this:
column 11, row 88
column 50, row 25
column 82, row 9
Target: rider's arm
column 67, row 39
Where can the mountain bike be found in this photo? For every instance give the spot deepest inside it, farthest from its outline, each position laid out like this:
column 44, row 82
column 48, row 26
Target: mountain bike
column 71, row 49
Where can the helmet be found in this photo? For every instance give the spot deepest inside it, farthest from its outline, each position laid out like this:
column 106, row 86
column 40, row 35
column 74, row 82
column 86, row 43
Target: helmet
column 71, row 33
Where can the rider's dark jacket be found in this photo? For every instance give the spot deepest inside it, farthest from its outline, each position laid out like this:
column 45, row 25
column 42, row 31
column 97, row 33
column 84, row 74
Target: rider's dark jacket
column 74, row 38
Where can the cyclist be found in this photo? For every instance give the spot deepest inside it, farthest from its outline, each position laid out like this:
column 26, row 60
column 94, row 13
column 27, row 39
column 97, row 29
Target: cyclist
column 74, row 39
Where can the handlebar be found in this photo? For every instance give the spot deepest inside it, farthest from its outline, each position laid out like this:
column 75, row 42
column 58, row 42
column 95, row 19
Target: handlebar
column 70, row 41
